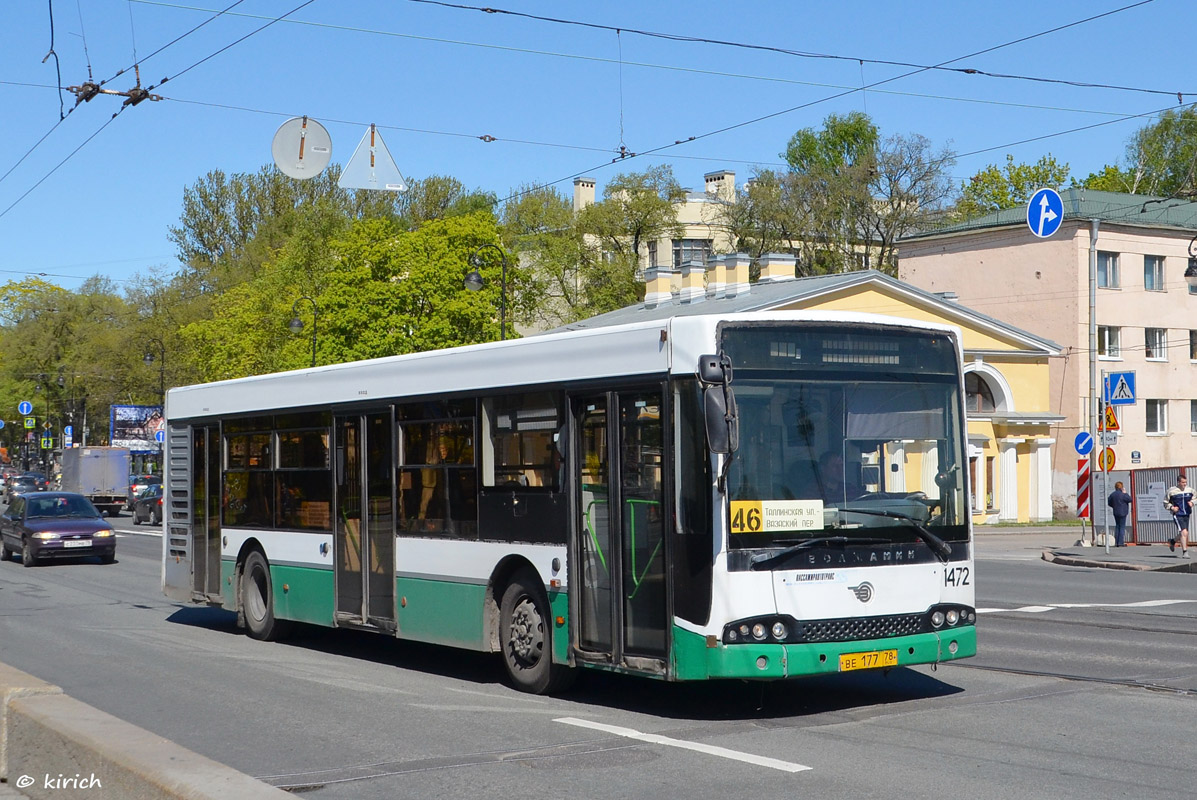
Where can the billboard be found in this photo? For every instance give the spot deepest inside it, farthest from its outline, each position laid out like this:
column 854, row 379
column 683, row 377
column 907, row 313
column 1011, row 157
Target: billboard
column 135, row 427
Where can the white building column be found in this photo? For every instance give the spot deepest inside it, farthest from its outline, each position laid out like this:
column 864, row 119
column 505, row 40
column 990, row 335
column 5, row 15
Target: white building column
column 895, row 481
column 1008, row 482
column 1041, row 480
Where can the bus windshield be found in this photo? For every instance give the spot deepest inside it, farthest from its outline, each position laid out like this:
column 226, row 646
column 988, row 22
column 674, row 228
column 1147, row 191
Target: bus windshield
column 851, row 434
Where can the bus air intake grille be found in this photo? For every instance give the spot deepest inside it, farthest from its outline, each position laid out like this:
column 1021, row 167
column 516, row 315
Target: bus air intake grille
column 854, row 628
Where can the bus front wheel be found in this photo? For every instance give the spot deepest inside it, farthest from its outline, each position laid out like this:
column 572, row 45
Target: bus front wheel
column 526, row 638
column 257, row 600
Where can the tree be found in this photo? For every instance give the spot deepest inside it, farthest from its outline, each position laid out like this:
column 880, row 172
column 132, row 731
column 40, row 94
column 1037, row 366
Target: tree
column 831, row 170
column 539, row 227
column 995, row 188
column 911, row 183
column 637, row 207
column 1161, row 159
column 765, row 216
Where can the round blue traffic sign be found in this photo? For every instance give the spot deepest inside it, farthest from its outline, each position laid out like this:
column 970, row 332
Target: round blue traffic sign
column 25, row 408
column 159, row 436
column 1045, row 212
column 1083, row 443
column 1, row 424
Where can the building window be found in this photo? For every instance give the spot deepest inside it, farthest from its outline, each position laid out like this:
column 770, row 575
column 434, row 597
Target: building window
column 1108, row 274
column 690, row 250
column 1193, row 345
column 652, row 254
column 1157, row 416
column 1109, row 341
column 1193, row 266
column 1193, row 416
column 1155, row 343
column 979, row 395
column 990, row 471
column 1153, row 273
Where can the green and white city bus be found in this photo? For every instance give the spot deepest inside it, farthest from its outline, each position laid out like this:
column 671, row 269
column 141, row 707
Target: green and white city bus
column 610, row 498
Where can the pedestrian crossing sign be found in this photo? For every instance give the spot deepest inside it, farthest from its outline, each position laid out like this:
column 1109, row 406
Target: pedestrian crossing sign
column 1120, row 388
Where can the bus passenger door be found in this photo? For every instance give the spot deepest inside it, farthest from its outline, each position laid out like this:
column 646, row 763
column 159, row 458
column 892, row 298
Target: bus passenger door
column 364, row 530
column 619, row 539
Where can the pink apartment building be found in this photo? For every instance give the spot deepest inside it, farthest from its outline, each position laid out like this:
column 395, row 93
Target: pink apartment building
column 1146, row 312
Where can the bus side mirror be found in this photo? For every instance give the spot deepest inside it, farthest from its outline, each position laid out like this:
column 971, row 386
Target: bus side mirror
column 719, row 404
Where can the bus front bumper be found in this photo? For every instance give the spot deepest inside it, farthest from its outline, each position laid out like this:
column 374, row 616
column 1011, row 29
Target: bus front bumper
column 776, row 661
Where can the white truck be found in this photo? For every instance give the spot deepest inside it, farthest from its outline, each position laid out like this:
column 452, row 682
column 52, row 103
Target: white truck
column 101, row 474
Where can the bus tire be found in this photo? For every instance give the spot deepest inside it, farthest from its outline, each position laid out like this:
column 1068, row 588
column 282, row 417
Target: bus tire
column 257, row 600
column 525, row 634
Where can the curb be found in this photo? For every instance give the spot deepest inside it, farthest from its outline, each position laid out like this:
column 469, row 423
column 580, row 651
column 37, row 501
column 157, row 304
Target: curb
column 1073, row 561
column 57, row 745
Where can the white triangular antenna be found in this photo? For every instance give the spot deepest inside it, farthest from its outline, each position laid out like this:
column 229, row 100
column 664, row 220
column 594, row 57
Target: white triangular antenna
column 372, row 167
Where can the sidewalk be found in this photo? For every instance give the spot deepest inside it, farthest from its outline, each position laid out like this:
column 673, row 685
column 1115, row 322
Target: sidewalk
column 1144, row 557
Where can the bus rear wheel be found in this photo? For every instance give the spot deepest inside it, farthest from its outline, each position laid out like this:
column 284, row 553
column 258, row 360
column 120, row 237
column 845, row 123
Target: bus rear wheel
column 257, row 600
column 525, row 634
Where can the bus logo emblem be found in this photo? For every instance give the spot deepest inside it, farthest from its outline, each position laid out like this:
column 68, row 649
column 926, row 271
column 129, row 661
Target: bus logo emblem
column 863, row 591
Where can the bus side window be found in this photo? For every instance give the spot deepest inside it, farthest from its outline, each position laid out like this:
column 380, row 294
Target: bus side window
column 521, row 441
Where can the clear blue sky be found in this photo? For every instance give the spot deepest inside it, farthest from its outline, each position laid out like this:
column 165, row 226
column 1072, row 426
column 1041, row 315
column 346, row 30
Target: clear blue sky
column 435, row 78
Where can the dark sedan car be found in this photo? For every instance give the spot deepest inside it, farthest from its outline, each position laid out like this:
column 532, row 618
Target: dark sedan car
column 148, row 505
column 46, row 525
column 19, row 484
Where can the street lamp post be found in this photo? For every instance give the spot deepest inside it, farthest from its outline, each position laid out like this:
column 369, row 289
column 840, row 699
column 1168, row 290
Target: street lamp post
column 296, row 324
column 474, row 282
column 149, row 359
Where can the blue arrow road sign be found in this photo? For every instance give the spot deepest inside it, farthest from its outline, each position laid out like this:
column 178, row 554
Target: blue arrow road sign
column 1045, row 212
column 69, row 430
column 159, row 436
column 25, row 408
column 1120, row 389
column 1083, row 443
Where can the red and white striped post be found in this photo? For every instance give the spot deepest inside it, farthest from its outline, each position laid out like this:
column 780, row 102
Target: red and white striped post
column 1083, row 509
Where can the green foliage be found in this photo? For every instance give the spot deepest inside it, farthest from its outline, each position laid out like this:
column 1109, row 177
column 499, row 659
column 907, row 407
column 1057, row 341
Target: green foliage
column 1110, row 179
column 844, row 142
column 540, row 228
column 1161, row 158
column 637, row 207
column 1009, row 186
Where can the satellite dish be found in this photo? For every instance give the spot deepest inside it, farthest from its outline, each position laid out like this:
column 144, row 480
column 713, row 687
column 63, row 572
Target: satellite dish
column 301, row 148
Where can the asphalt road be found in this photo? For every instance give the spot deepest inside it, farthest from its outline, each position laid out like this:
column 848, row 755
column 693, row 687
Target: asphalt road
column 1084, row 688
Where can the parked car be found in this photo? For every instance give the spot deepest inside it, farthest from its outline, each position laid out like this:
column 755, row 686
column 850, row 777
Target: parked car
column 137, row 483
column 19, row 484
column 47, row 525
column 148, row 505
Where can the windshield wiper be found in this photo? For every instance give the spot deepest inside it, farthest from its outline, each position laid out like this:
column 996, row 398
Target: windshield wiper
column 762, row 560
column 938, row 546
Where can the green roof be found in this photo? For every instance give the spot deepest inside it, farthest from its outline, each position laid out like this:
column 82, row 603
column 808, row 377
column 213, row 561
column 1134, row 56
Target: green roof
column 1139, row 210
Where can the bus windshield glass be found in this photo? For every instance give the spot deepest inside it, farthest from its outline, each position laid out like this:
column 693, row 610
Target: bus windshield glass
column 845, row 432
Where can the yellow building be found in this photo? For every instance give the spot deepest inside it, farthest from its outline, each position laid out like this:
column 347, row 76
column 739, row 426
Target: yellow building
column 1010, row 424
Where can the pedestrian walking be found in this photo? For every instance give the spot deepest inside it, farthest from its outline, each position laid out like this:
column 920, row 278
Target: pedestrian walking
column 1119, row 502
column 1180, row 501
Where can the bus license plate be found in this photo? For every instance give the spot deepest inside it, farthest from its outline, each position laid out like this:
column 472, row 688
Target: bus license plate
column 869, row 660
column 77, row 543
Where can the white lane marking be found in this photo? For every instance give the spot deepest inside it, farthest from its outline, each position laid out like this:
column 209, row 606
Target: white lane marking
column 121, row 532
column 1041, row 609
column 711, row 750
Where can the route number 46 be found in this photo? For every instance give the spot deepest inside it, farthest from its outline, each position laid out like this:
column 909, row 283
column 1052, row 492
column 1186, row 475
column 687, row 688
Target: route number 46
column 745, row 516
column 955, row 576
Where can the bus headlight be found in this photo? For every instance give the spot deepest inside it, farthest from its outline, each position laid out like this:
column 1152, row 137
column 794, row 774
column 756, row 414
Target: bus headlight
column 937, row 619
column 779, row 631
column 758, row 632
column 953, row 616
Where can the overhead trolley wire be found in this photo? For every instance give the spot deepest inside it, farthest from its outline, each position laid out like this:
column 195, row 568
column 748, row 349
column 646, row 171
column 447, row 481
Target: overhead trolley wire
column 642, row 64
column 231, row 44
column 839, row 57
column 808, row 104
column 171, row 42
